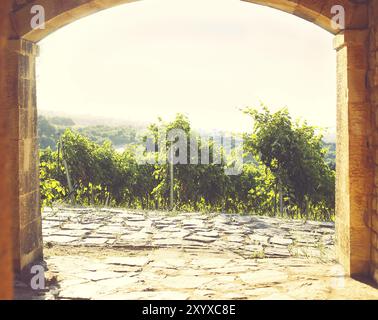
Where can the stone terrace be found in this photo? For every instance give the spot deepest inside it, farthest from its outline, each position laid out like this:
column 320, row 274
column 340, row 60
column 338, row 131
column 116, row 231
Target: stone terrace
column 248, row 236
column 125, row 254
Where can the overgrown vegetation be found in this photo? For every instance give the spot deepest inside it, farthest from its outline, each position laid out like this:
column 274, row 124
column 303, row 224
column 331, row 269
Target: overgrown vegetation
column 285, row 172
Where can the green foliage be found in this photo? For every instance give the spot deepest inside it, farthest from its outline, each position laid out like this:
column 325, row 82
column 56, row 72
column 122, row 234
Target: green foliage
column 283, row 157
column 51, row 173
column 295, row 155
column 330, row 154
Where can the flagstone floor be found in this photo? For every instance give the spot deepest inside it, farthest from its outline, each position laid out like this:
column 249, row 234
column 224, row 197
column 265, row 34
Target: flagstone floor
column 124, row 254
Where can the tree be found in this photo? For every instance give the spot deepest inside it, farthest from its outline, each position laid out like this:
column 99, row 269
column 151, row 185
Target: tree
column 294, row 154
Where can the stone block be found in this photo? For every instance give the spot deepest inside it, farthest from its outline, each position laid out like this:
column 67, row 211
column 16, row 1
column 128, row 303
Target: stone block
column 374, row 203
column 29, row 180
column 374, row 222
column 375, row 275
column 9, row 122
column 374, row 240
column 29, row 207
column 357, row 86
column 28, row 123
column 28, row 154
column 27, row 93
column 31, row 239
column 374, row 255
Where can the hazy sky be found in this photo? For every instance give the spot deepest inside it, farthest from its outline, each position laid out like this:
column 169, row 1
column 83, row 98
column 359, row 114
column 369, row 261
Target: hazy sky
column 205, row 58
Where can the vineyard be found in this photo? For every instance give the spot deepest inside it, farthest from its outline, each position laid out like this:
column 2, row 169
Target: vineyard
column 285, row 172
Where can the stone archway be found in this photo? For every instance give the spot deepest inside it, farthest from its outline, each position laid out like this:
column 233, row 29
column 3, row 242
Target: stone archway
column 357, row 100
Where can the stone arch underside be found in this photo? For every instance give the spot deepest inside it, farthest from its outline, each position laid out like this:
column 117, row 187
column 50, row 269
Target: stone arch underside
column 62, row 12
column 357, row 94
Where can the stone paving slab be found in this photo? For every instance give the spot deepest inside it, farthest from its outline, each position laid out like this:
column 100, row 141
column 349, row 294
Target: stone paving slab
column 249, row 236
column 159, row 274
column 125, row 254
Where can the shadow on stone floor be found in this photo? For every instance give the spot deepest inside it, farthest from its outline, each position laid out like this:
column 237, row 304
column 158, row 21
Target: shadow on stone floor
column 39, row 278
column 173, row 274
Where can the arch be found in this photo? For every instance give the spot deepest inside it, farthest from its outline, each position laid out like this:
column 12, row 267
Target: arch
column 62, row 12
column 356, row 199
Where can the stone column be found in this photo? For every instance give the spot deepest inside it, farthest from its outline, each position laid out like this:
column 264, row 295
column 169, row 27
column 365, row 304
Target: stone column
column 373, row 86
column 355, row 162
column 9, row 154
column 27, row 225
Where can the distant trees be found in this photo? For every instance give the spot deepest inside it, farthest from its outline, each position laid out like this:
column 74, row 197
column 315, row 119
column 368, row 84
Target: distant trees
column 62, row 121
column 47, row 133
column 50, row 130
column 284, row 167
column 118, row 136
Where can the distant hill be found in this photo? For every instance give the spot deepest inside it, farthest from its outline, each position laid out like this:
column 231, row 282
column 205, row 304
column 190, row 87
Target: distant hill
column 330, row 136
column 87, row 120
column 84, row 120
column 51, row 128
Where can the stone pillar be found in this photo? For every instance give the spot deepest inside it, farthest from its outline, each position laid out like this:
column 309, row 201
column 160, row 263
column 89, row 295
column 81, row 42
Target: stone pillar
column 373, row 86
column 9, row 154
column 355, row 162
column 28, row 222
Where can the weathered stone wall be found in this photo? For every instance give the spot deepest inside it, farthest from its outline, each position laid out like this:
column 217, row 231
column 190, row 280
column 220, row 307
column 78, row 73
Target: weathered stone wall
column 354, row 181
column 8, row 152
column 21, row 119
column 373, row 88
column 28, row 243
